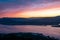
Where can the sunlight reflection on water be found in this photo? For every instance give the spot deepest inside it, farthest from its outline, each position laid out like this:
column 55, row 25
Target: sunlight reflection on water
column 46, row 30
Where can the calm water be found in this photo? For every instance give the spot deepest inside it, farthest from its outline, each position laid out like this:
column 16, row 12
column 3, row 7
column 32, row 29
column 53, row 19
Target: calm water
column 46, row 30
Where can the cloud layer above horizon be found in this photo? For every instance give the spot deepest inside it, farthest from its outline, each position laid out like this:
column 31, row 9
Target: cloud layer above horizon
column 29, row 8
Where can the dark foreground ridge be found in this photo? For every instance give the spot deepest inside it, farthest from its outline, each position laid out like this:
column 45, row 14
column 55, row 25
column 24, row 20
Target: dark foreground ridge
column 25, row 36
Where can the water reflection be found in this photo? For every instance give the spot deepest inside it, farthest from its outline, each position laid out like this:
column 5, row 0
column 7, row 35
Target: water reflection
column 46, row 30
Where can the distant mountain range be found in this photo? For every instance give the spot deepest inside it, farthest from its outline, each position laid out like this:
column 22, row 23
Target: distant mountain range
column 31, row 21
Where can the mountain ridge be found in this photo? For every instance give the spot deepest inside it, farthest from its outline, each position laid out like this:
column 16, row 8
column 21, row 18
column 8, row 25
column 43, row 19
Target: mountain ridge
column 30, row 21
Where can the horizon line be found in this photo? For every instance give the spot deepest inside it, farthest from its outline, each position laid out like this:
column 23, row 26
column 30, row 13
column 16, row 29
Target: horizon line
column 29, row 17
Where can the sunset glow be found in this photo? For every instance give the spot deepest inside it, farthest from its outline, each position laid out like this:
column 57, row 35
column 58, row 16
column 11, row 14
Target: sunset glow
column 47, row 8
column 40, row 13
column 30, row 19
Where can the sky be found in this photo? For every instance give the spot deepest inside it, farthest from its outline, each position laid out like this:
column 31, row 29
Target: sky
column 29, row 8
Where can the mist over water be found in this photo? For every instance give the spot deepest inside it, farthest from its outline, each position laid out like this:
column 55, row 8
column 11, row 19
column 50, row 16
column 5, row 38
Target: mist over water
column 46, row 30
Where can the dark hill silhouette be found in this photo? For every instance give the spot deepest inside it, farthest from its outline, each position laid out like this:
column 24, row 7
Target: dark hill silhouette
column 25, row 36
column 31, row 21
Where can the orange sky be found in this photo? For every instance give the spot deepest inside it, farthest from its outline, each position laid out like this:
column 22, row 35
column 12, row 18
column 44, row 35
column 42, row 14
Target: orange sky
column 46, row 10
